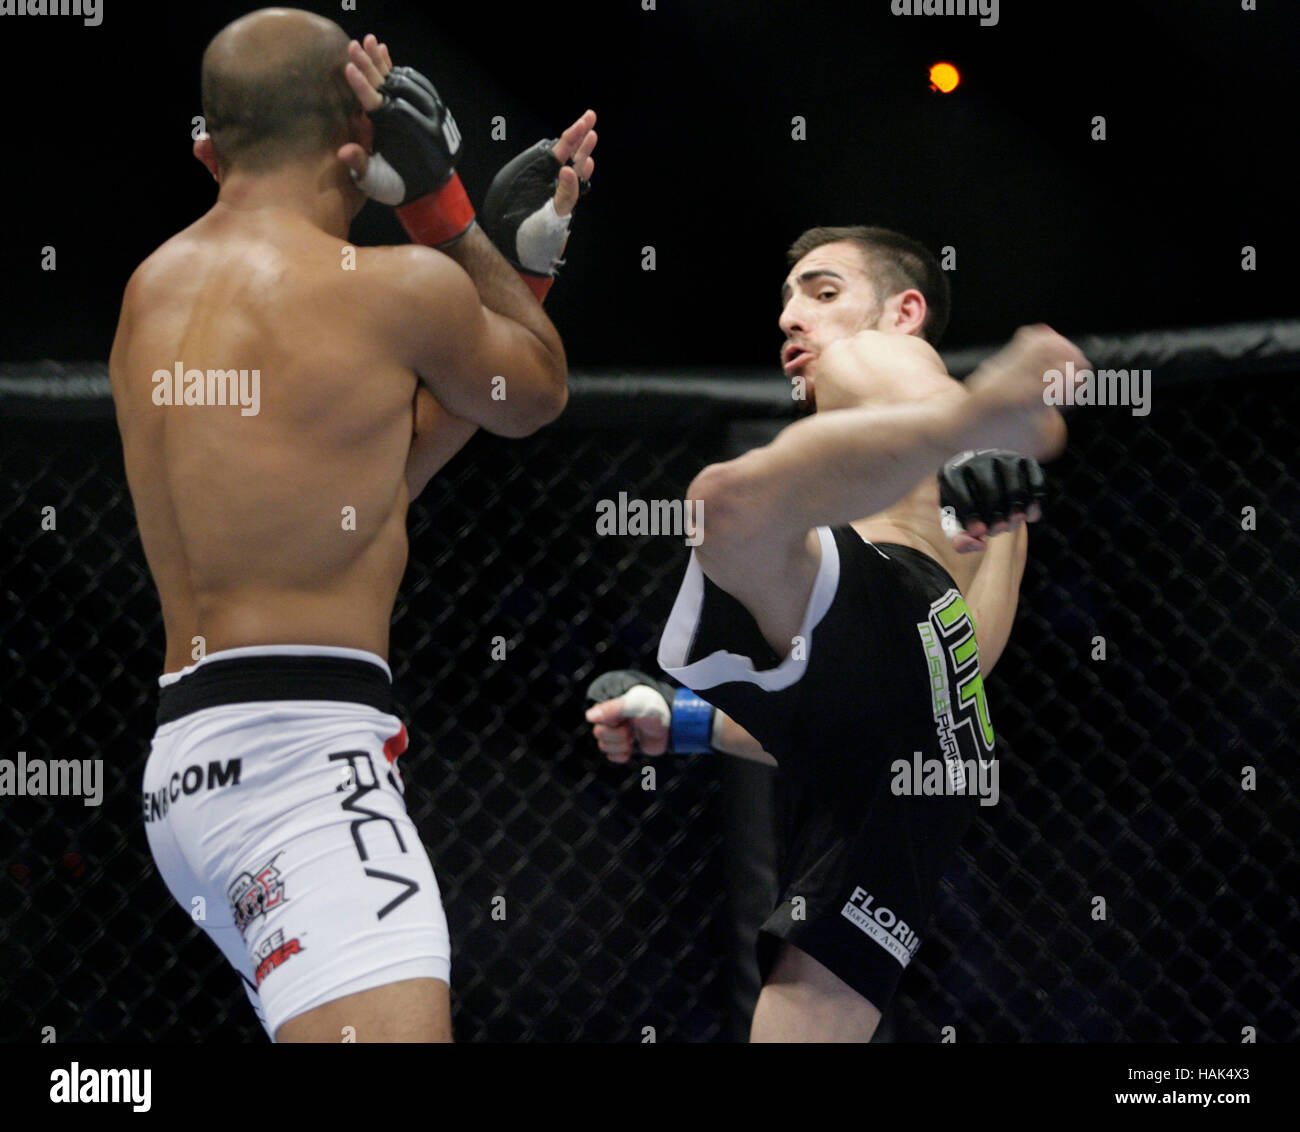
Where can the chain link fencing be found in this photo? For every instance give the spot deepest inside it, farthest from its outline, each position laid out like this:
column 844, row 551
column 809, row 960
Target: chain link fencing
column 1146, row 710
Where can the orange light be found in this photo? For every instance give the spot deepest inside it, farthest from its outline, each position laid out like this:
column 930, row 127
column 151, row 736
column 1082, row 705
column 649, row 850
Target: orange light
column 944, row 78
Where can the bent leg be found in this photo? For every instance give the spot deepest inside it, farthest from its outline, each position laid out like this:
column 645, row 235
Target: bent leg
column 413, row 1010
column 802, row 1001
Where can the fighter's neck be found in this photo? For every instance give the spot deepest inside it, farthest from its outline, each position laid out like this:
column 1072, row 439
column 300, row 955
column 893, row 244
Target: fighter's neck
column 302, row 192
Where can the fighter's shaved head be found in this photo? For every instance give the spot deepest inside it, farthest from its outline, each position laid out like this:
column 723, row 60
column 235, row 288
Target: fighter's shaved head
column 274, row 90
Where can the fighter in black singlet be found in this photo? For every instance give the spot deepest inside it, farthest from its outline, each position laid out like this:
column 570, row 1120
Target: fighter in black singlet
column 890, row 672
column 831, row 624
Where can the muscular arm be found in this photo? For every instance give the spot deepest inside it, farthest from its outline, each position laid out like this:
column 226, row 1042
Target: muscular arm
column 501, row 291
column 995, row 591
column 475, row 335
column 438, row 434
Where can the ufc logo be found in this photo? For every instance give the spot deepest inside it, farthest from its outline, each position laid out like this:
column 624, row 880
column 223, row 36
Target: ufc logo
column 451, row 132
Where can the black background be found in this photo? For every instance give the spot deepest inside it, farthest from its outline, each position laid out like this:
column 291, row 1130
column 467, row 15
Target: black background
column 695, row 99
column 1126, row 773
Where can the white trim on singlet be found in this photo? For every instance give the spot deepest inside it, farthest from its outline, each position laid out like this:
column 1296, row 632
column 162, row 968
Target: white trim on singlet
column 723, row 667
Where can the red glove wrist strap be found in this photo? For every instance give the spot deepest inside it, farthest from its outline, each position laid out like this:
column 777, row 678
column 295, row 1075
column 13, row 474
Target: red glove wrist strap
column 538, row 284
column 443, row 216
column 439, row 217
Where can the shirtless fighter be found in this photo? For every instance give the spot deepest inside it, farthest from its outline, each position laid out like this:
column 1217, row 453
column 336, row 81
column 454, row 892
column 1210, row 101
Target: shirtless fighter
column 274, row 523
column 835, row 645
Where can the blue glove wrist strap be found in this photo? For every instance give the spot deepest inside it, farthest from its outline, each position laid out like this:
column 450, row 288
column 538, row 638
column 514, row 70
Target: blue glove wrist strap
column 692, row 724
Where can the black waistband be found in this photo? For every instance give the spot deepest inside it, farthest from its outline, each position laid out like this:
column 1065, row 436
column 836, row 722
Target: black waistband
column 253, row 679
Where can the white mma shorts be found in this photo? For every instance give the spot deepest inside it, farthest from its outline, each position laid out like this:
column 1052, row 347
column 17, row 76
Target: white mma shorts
column 274, row 810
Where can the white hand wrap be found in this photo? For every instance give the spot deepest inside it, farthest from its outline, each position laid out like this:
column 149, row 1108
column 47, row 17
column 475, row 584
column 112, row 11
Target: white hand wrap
column 643, row 702
column 381, row 181
column 540, row 240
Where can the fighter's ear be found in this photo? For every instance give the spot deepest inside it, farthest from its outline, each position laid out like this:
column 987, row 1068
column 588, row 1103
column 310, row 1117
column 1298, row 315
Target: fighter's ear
column 905, row 312
column 205, row 152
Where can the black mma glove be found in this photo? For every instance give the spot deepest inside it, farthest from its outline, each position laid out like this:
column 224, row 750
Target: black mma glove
column 519, row 215
column 417, row 144
column 988, row 486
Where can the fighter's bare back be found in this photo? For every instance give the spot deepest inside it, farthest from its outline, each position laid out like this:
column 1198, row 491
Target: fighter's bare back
column 287, row 525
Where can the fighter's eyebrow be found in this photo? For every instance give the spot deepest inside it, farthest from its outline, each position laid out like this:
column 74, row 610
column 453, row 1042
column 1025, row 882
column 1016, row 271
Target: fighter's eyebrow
column 808, row 277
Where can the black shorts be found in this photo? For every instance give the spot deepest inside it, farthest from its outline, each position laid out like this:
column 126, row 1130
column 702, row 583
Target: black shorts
column 887, row 672
column 860, row 894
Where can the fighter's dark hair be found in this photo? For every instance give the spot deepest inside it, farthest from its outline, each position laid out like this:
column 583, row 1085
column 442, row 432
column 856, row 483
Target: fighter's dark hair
column 895, row 263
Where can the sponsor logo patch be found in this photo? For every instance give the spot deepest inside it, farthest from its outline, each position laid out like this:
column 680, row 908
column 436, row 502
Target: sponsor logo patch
column 274, row 951
column 882, row 925
column 254, row 894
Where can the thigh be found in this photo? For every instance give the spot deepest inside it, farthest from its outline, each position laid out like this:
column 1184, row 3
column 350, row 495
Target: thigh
column 804, row 1001
column 854, row 901
column 412, row 1010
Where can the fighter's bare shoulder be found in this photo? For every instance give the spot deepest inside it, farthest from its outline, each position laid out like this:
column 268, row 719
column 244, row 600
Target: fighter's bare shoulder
column 155, row 284
column 874, row 351
column 415, row 290
column 407, row 270
column 156, row 274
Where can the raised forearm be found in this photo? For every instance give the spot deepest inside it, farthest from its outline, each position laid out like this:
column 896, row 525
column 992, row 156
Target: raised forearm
column 501, row 290
column 994, row 593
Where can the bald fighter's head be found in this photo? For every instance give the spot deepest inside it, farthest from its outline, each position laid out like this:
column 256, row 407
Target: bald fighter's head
column 274, row 90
